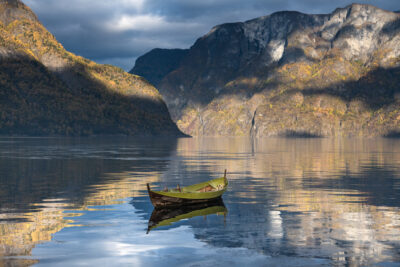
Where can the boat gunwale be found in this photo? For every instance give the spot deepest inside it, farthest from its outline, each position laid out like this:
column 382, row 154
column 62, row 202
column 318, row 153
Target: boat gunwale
column 190, row 193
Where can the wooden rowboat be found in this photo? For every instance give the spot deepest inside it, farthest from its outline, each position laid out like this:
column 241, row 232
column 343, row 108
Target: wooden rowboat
column 168, row 215
column 209, row 191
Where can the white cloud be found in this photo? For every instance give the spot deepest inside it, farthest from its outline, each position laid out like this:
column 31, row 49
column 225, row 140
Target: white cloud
column 149, row 23
column 137, row 4
column 136, row 22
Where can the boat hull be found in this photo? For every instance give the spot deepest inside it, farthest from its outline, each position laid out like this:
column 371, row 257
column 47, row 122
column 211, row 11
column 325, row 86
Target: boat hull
column 205, row 192
column 159, row 200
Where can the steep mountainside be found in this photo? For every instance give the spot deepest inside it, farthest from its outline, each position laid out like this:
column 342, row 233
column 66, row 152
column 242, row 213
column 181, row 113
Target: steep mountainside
column 45, row 90
column 157, row 63
column 292, row 74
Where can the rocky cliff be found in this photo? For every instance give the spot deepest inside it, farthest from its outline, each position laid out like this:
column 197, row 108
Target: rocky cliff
column 157, row 63
column 292, row 74
column 46, row 90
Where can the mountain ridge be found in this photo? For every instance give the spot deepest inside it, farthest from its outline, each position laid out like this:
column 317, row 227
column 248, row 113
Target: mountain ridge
column 144, row 65
column 46, row 90
column 312, row 70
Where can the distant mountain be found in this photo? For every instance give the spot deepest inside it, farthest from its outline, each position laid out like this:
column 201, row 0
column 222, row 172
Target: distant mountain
column 46, row 90
column 157, row 63
column 291, row 74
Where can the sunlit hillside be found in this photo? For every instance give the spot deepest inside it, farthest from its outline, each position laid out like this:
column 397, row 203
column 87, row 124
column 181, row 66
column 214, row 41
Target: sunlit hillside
column 46, row 90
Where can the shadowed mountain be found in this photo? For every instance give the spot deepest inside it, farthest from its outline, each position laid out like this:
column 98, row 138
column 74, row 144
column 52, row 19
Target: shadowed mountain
column 45, row 90
column 157, row 63
column 323, row 75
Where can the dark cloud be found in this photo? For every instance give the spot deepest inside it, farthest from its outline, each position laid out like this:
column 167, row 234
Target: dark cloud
column 118, row 31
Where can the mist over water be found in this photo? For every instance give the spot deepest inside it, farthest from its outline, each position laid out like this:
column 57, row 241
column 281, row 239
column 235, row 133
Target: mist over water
column 290, row 201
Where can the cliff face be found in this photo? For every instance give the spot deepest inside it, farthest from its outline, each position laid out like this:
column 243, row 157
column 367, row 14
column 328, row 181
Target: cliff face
column 157, row 63
column 45, row 90
column 292, row 74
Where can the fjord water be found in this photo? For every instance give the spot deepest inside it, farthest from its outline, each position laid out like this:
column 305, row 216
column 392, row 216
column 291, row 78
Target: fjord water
column 290, row 202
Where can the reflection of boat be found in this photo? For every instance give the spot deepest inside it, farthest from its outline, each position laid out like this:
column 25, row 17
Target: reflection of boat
column 193, row 194
column 168, row 215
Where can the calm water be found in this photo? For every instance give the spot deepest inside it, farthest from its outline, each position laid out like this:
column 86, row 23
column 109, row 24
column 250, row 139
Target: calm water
column 290, row 202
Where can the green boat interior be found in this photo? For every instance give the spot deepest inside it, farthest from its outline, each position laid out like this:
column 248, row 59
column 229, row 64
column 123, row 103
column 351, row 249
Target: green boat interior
column 209, row 186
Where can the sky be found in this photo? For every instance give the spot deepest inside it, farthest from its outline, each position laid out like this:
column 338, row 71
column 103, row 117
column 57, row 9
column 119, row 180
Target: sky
column 118, row 31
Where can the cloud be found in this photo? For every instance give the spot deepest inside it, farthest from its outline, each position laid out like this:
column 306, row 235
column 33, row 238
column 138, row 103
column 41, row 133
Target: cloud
column 118, row 31
column 147, row 23
column 137, row 22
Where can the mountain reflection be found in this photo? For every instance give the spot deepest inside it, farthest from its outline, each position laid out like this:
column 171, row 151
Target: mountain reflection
column 42, row 178
column 335, row 199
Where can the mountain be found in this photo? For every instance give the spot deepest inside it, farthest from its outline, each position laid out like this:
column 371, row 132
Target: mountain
column 292, row 74
column 46, row 90
column 157, row 63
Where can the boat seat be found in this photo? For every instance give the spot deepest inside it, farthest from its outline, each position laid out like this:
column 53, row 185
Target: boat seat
column 207, row 188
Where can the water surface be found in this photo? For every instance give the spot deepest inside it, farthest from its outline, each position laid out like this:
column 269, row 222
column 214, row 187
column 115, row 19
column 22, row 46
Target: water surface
column 290, row 202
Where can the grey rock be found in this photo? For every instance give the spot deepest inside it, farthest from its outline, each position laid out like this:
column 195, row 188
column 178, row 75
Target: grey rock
column 242, row 59
column 157, row 63
column 15, row 10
